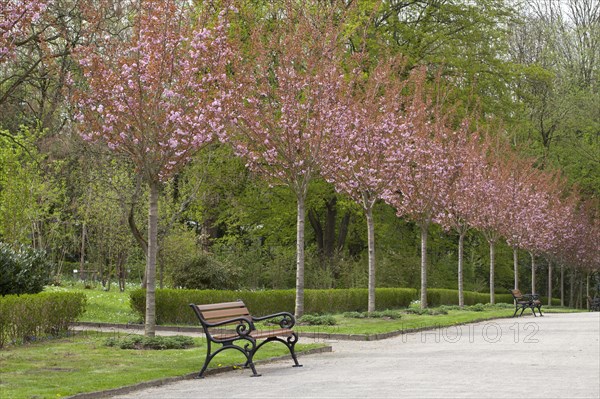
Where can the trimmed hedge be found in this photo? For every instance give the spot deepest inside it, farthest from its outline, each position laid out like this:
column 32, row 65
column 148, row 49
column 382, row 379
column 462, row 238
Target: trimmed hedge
column 442, row 296
column 28, row 317
column 172, row 306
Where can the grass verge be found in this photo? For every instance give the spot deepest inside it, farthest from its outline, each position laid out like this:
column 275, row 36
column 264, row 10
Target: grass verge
column 82, row 363
column 409, row 322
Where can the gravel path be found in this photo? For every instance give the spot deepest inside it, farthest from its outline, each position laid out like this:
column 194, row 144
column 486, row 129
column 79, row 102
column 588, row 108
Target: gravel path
column 555, row 356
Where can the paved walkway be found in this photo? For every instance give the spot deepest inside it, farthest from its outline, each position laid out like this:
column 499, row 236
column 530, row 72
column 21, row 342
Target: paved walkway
column 556, row 356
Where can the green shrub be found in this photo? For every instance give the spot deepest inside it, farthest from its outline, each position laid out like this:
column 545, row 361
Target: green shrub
column 28, row 317
column 478, row 307
column 315, row 320
column 203, row 272
column 172, row 305
column 378, row 314
column 23, row 271
column 157, row 342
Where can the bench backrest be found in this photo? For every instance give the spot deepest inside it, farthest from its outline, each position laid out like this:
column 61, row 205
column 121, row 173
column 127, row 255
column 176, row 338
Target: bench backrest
column 218, row 312
column 516, row 294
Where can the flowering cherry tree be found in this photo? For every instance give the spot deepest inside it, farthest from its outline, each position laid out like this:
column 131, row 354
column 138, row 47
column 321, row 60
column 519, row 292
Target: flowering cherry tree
column 16, row 17
column 490, row 195
column 428, row 168
column 156, row 94
column 461, row 205
column 289, row 102
column 363, row 155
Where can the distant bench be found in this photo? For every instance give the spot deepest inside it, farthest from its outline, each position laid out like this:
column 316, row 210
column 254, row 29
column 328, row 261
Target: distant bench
column 526, row 301
column 230, row 322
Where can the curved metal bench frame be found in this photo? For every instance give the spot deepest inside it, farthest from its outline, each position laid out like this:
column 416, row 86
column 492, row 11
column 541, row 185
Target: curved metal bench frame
column 235, row 315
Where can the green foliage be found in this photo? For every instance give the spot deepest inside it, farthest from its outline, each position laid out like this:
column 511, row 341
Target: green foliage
column 24, row 318
column 478, row 307
column 203, row 272
column 316, row 320
column 23, row 271
column 378, row 314
column 442, row 296
column 172, row 305
column 157, row 342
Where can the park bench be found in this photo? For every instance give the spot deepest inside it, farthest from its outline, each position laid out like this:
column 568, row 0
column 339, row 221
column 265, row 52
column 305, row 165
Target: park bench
column 525, row 301
column 231, row 325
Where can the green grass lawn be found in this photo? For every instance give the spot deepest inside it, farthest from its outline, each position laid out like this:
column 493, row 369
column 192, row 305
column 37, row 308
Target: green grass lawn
column 82, row 363
column 407, row 322
column 104, row 306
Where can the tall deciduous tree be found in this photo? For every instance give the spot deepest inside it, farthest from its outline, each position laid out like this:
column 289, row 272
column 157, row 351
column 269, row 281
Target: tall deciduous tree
column 363, row 155
column 460, row 208
column 156, row 93
column 429, row 169
column 289, row 92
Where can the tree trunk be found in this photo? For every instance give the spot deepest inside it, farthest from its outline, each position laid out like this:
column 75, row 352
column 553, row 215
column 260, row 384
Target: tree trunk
column 150, row 324
column 371, row 245
column 424, row 228
column 587, row 290
column 562, row 285
column 299, row 311
column 461, row 247
column 572, row 289
column 492, row 266
column 532, row 273
column 549, row 283
column 82, row 254
column 516, row 266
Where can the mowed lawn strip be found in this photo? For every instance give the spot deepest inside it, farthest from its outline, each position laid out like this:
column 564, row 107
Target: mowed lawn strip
column 408, row 322
column 82, row 363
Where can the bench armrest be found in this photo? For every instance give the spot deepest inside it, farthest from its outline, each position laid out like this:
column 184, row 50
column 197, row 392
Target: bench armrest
column 531, row 297
column 244, row 328
column 288, row 320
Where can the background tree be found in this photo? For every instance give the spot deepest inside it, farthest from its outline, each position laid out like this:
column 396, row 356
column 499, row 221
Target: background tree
column 157, row 95
column 428, row 168
column 364, row 155
column 290, row 101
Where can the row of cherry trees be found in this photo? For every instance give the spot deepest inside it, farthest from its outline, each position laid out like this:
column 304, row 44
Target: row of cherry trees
column 291, row 98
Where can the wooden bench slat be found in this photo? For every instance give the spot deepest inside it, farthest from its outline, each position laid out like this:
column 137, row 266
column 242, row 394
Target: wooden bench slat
column 225, row 313
column 224, row 305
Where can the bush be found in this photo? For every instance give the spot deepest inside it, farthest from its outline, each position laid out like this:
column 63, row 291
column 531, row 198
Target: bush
column 23, row 271
column 28, row 317
column 478, row 307
column 172, row 306
column 378, row 314
column 157, row 342
column 314, row 320
column 203, row 272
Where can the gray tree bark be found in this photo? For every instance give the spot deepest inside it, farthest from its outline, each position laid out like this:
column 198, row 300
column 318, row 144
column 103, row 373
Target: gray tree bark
column 516, row 266
column 532, row 273
column 549, row 283
column 424, row 228
column 461, row 247
column 371, row 245
column 150, row 322
column 299, row 310
column 492, row 267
